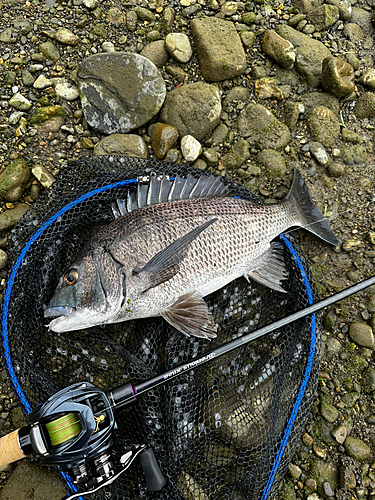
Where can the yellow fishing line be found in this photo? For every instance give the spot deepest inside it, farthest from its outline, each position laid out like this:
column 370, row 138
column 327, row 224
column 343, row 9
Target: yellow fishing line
column 64, row 428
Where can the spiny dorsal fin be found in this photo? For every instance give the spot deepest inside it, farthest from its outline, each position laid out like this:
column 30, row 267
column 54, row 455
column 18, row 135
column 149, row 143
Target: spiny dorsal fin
column 161, row 189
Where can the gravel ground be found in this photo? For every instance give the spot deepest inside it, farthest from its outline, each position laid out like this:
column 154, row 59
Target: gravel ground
column 336, row 455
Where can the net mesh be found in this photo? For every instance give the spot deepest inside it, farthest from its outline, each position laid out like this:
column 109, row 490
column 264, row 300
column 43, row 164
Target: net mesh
column 225, row 430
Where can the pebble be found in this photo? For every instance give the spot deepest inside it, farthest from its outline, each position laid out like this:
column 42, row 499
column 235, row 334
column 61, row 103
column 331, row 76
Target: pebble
column 362, row 334
column 43, row 175
column 163, row 138
column 9, row 218
column 178, row 46
column 14, row 179
column 42, row 82
column 319, row 153
column 327, row 489
column 65, row 90
column 18, row 101
column 357, row 448
column 190, row 148
column 280, row 50
column 340, row 433
column 337, row 77
column 122, row 144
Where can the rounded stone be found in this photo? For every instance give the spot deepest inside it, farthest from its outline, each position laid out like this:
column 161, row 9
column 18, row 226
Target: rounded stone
column 362, row 334
column 365, row 106
column 65, row 36
column 155, row 51
column 337, row 77
column 14, row 179
column 163, row 138
column 120, row 91
column 273, row 162
column 190, row 148
column 323, row 125
column 194, row 109
column 66, row 91
column 122, row 144
column 356, row 448
column 279, row 49
column 178, row 46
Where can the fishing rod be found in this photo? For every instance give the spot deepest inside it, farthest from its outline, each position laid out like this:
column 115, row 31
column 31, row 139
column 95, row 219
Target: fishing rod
column 74, row 428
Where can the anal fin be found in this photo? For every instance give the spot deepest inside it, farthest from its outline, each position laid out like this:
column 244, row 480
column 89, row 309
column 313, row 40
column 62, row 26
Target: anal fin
column 190, row 315
column 270, row 268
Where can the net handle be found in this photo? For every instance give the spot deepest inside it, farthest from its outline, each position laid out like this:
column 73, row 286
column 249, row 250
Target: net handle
column 10, row 449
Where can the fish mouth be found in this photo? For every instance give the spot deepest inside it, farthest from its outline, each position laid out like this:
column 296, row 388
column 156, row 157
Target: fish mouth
column 58, row 311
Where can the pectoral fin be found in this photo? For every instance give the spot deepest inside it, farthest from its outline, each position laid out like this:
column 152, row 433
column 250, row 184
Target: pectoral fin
column 270, row 269
column 165, row 264
column 190, row 315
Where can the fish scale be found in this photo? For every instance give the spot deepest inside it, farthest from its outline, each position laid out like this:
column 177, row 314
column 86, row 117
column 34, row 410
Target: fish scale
column 164, row 255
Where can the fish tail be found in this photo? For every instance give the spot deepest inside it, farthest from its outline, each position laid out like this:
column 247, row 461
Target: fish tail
column 310, row 217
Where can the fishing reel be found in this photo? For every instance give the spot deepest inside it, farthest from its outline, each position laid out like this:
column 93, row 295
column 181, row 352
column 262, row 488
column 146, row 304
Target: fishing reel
column 74, row 429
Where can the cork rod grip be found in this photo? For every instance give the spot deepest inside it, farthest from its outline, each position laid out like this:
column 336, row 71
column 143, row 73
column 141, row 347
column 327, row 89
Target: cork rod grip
column 10, row 450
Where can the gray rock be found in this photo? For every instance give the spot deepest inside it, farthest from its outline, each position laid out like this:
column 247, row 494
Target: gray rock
column 362, row 334
column 108, row 47
column 9, row 218
column 190, row 148
column 123, row 145
column 6, row 35
column 319, row 153
column 50, row 51
column 236, row 94
column 368, row 380
column 327, row 489
column 27, row 78
column 3, row 259
column 120, row 91
column 65, row 90
column 339, row 433
column 220, row 52
column 237, row 156
column 15, row 117
column 219, row 134
column 354, row 32
column 328, row 411
column 310, row 53
column 324, row 16
column 337, row 77
column 324, row 126
column 368, row 78
column 356, row 448
column 354, row 155
column 365, row 106
column 273, row 162
column 131, row 20
column 65, row 36
column 155, row 51
column 194, row 109
column 314, row 99
column 14, row 179
column 266, row 88
column 280, row 50
column 259, row 125
column 168, row 19
column 292, row 111
column 336, row 169
column 178, row 46
column 18, row 101
column 91, row 4
column 144, row 14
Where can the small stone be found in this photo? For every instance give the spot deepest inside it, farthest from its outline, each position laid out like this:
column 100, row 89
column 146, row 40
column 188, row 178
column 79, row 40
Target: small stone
column 323, row 17
column 65, row 90
column 50, row 51
column 18, row 101
column 328, row 411
column 67, row 37
column 368, row 79
column 229, row 8
column 352, row 244
column 211, row 156
column 178, row 46
column 45, row 112
column 14, row 179
column 114, row 15
column 122, row 144
column 319, row 452
column 295, row 471
column 42, row 83
column 144, row 14
column 43, row 175
column 311, row 483
column 266, row 88
column 340, row 433
column 279, row 49
column 163, row 138
column 190, row 148
column 15, row 117
column 327, row 489
column 350, row 136
column 319, row 153
column 323, row 125
column 237, row 155
column 9, row 218
column 108, row 47
column 337, row 77
column 356, row 448
column 368, row 380
column 155, row 51
column 307, row 439
column 365, row 106
column 362, row 334
column 3, row 259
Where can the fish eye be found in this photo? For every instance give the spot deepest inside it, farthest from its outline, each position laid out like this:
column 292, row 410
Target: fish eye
column 71, row 277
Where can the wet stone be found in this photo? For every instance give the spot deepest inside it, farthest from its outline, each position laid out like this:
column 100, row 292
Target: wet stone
column 354, row 155
column 368, row 380
column 131, row 20
column 65, row 90
column 9, row 218
column 50, row 51
column 219, row 134
column 324, row 126
column 319, row 153
column 194, row 109
column 356, row 448
column 362, row 334
column 350, row 136
column 328, row 411
column 273, row 162
column 123, row 145
column 14, row 179
column 120, row 91
column 237, row 155
column 178, row 46
column 337, row 77
column 295, row 471
column 163, row 138
column 42, row 82
column 220, row 52
column 327, row 489
column 292, row 111
column 279, row 49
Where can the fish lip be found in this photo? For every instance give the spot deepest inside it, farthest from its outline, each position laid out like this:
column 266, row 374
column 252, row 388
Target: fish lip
column 58, row 311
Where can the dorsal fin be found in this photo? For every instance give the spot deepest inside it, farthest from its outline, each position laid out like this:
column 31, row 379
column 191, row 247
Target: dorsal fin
column 161, row 189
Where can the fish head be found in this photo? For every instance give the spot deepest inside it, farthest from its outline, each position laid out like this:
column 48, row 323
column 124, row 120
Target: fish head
column 89, row 293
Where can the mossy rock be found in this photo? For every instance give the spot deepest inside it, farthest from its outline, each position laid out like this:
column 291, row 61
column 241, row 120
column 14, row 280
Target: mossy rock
column 44, row 113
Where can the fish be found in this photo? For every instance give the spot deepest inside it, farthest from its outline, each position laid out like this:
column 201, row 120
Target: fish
column 173, row 242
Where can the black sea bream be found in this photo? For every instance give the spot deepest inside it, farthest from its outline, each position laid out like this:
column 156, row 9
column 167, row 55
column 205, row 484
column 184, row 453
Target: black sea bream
column 180, row 241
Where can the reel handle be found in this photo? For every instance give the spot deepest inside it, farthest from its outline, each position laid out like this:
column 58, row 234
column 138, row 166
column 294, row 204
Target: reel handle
column 10, row 448
column 153, row 475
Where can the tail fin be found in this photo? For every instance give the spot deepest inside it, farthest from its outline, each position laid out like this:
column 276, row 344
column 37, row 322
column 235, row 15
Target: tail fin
column 310, row 217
